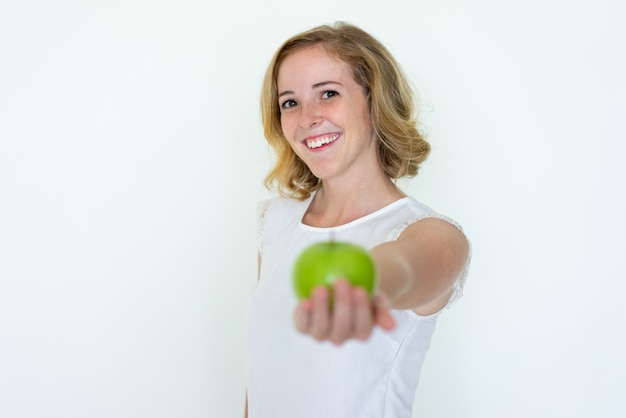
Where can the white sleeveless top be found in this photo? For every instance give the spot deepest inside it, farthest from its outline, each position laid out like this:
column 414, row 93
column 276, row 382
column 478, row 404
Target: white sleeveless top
column 290, row 375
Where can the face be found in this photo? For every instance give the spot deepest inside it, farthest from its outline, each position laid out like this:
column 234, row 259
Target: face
column 325, row 115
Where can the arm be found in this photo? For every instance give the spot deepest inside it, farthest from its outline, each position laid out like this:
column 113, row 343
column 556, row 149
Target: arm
column 417, row 271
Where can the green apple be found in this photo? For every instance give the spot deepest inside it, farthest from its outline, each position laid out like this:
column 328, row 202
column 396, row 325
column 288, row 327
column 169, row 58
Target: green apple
column 324, row 262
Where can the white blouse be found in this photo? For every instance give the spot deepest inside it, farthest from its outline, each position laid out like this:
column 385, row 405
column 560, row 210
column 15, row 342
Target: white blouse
column 290, row 375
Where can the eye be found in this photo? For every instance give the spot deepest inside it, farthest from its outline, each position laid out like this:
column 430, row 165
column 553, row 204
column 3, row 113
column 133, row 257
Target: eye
column 288, row 104
column 327, row 94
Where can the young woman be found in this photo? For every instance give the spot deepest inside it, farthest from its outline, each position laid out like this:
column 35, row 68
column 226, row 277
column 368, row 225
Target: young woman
column 339, row 114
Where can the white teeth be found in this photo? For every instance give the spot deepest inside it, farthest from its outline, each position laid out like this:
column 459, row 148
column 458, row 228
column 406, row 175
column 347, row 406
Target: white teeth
column 318, row 142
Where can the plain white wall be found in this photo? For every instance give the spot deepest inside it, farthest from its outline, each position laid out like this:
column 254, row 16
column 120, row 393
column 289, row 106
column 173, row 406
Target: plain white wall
column 131, row 159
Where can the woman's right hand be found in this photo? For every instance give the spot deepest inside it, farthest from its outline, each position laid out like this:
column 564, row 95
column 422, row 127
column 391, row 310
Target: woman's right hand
column 354, row 314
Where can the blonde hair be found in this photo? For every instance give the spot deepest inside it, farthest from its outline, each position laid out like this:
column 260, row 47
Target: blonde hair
column 401, row 146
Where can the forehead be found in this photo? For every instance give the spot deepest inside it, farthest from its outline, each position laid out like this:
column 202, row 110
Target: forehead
column 311, row 64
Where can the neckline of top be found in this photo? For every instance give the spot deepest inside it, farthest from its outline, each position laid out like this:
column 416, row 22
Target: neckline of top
column 352, row 223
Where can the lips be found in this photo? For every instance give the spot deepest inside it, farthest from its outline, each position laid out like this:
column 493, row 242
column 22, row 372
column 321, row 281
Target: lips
column 313, row 143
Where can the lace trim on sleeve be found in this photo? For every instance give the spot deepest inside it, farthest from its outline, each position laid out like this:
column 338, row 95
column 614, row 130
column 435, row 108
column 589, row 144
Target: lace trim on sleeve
column 262, row 211
column 457, row 293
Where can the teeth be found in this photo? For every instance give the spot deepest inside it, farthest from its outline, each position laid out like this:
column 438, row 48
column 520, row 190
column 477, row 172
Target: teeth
column 318, row 142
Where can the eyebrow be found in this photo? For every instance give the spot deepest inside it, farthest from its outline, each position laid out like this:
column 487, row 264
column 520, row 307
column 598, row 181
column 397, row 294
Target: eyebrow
column 315, row 86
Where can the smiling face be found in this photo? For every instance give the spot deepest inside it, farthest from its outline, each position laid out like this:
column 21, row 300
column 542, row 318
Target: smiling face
column 325, row 115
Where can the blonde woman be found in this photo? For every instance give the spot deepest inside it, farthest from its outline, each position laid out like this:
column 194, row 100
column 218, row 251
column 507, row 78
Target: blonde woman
column 339, row 114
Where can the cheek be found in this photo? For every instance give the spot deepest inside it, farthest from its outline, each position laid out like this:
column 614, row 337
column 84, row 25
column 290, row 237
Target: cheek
column 286, row 124
column 365, row 119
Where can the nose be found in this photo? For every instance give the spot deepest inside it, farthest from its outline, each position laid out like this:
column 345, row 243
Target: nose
column 310, row 115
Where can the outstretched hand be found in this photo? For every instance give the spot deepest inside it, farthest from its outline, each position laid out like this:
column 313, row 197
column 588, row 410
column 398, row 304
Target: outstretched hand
column 354, row 313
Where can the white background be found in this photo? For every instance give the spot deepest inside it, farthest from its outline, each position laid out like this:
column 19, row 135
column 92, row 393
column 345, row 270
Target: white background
column 131, row 160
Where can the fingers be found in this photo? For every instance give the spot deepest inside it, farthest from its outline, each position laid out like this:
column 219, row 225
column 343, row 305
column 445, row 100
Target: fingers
column 343, row 313
column 302, row 316
column 382, row 313
column 312, row 316
column 320, row 318
column 353, row 314
column 364, row 321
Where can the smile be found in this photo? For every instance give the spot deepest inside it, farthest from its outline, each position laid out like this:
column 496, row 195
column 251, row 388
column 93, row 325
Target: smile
column 320, row 141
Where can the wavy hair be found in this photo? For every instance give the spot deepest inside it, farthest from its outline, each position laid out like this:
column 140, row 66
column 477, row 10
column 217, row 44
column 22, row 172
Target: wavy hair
column 401, row 145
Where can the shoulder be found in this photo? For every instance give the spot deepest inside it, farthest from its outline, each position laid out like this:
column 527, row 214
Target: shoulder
column 276, row 214
column 279, row 205
column 414, row 212
column 437, row 231
column 425, row 223
column 263, row 208
column 443, row 239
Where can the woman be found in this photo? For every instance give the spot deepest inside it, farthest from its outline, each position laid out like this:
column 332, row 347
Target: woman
column 339, row 114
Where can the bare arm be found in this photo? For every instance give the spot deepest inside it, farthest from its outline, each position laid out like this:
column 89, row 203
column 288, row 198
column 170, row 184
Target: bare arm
column 417, row 271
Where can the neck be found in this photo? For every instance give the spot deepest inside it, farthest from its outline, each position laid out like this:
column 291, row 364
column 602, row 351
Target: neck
column 337, row 204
